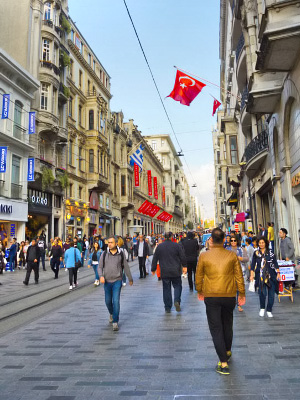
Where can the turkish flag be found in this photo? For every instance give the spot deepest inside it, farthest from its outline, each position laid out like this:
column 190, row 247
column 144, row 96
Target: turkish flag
column 216, row 106
column 186, row 88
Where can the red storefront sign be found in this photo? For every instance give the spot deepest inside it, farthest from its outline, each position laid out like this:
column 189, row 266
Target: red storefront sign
column 153, row 211
column 136, row 175
column 149, row 183
column 144, row 206
column 155, row 187
column 164, row 216
column 164, row 196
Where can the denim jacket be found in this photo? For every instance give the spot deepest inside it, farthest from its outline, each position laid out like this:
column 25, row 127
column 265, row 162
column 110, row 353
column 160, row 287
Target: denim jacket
column 99, row 252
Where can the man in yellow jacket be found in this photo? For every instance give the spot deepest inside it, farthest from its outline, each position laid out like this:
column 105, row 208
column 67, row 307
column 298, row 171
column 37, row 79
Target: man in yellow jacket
column 218, row 277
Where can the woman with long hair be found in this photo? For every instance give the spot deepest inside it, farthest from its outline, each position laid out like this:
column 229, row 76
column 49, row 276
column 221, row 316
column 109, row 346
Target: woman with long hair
column 265, row 271
column 94, row 258
column 21, row 256
column 242, row 255
column 122, row 247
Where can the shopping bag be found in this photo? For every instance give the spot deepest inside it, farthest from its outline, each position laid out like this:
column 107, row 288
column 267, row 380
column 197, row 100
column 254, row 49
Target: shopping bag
column 252, row 286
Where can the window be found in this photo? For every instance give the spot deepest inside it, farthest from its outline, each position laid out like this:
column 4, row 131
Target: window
column 218, row 157
column 80, row 192
column 80, row 158
column 115, row 184
column 47, row 11
column 106, row 81
column 46, row 50
column 220, row 191
column 162, row 142
column 54, row 54
column 90, row 58
column 154, row 145
column 224, row 151
column 91, row 119
column 100, row 75
column 233, row 150
column 123, row 185
column 220, row 174
column 121, row 155
column 57, row 201
column 71, row 189
column 44, row 96
column 71, row 66
column 15, row 170
column 80, row 79
column 72, row 35
column 89, row 86
column 71, row 152
column 101, row 164
column 80, row 115
column 91, row 160
column 94, row 65
column 54, row 97
column 70, row 106
column 107, row 202
column 115, row 151
column 18, row 120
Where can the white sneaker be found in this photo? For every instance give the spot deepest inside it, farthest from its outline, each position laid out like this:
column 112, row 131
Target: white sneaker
column 115, row 326
column 71, row 287
column 124, row 284
column 95, row 283
column 261, row 312
column 269, row 314
column 110, row 319
column 66, row 269
column 74, row 286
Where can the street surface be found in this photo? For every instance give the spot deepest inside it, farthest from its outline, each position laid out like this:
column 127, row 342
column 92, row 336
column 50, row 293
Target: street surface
column 66, row 350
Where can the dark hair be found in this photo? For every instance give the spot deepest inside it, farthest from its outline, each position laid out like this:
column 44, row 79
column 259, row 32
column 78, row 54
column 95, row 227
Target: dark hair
column 168, row 235
column 113, row 237
column 237, row 238
column 284, row 230
column 190, row 235
column 217, row 236
column 248, row 240
column 269, row 223
column 264, row 239
column 71, row 243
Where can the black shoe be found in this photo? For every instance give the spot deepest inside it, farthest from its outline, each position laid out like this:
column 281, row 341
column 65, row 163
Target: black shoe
column 36, row 282
column 25, row 283
column 159, row 279
column 222, row 370
column 168, row 310
column 44, row 269
column 191, row 290
column 141, row 277
column 177, row 306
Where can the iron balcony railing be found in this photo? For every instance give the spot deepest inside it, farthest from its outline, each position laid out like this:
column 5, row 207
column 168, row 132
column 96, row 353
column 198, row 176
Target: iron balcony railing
column 256, row 146
column 50, row 65
column 240, row 46
column 245, row 95
column 16, row 191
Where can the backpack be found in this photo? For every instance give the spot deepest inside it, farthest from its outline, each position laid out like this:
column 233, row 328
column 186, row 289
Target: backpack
column 122, row 259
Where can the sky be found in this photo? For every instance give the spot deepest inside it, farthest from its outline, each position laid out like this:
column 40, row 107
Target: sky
column 173, row 33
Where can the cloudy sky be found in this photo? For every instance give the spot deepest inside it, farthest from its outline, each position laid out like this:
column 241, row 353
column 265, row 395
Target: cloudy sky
column 172, row 32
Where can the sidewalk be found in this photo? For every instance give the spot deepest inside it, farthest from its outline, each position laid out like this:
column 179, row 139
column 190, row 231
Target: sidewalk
column 72, row 353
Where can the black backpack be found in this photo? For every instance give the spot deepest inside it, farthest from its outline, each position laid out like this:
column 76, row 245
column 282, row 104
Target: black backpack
column 122, row 259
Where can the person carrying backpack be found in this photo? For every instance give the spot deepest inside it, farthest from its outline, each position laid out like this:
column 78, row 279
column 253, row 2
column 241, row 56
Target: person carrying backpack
column 111, row 265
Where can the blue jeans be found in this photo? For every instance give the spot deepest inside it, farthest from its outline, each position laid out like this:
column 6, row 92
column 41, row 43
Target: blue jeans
column 124, row 277
column 112, row 298
column 12, row 260
column 95, row 267
column 86, row 253
column 167, row 292
column 270, row 291
column 42, row 257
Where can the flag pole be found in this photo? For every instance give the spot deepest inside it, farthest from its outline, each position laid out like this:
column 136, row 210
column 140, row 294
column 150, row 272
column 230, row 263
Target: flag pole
column 205, row 80
column 134, row 148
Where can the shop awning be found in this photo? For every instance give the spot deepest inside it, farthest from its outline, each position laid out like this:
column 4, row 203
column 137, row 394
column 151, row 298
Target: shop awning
column 148, row 208
column 106, row 215
column 164, row 216
column 233, row 200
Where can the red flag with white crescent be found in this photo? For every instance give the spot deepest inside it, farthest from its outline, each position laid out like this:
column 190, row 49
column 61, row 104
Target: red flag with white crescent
column 186, row 88
column 216, row 106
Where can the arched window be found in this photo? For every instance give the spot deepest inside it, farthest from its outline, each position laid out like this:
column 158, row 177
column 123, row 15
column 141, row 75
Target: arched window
column 18, row 119
column 91, row 119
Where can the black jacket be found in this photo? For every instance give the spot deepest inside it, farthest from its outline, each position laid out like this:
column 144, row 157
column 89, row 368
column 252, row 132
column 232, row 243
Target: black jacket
column 33, row 253
column 191, row 249
column 56, row 251
column 146, row 249
column 171, row 257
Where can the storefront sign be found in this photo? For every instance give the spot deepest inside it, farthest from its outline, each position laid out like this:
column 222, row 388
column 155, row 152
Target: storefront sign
column 12, row 230
column 155, row 187
column 30, row 174
column 39, row 200
column 287, row 274
column 296, row 180
column 31, row 128
column 6, row 209
column 3, row 157
column 5, row 106
column 94, row 201
column 149, row 182
column 136, row 175
column 236, row 227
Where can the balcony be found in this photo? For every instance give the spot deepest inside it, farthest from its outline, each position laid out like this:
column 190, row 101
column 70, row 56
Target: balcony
column 16, row 191
column 178, row 212
column 265, row 91
column 255, row 154
column 49, row 26
column 18, row 131
column 245, row 116
column 97, row 182
column 50, row 66
column 279, row 35
column 241, row 67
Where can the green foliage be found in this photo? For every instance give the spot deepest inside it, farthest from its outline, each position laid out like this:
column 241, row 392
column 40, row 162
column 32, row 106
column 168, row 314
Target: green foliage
column 65, row 24
column 64, row 180
column 66, row 91
column 187, row 209
column 47, row 177
column 65, row 60
column 190, row 225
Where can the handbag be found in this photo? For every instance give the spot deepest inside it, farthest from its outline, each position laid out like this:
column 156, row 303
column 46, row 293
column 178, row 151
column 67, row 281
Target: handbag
column 77, row 263
column 252, row 286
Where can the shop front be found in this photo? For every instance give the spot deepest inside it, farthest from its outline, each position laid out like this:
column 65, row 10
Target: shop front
column 92, row 218
column 76, row 215
column 39, row 214
column 13, row 218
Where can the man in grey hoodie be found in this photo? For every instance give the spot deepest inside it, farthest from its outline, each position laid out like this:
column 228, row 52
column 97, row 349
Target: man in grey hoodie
column 111, row 266
column 287, row 250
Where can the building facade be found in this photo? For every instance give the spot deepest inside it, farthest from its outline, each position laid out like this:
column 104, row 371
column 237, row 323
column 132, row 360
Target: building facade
column 259, row 43
column 20, row 86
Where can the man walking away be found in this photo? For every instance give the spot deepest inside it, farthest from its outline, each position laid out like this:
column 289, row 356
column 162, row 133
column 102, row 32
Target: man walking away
column 191, row 250
column 111, row 265
column 171, row 258
column 142, row 252
column 42, row 246
column 218, row 277
column 72, row 256
column 32, row 257
column 56, row 253
column 150, row 256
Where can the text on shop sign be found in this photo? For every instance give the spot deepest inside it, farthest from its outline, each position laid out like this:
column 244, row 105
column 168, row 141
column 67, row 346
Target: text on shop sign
column 4, row 209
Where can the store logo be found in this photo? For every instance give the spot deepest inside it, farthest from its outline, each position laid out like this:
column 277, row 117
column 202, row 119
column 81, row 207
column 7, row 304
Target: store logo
column 39, row 200
column 4, row 209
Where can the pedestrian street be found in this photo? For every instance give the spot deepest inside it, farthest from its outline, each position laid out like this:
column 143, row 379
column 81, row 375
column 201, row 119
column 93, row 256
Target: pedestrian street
column 73, row 354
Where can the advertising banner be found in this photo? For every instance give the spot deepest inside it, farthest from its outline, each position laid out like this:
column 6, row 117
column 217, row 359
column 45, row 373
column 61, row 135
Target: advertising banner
column 136, row 175
column 30, row 173
column 3, row 158
column 149, row 182
column 5, row 106
column 31, row 128
column 155, row 187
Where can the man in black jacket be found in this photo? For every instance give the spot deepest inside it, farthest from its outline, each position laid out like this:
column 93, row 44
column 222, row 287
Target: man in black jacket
column 191, row 250
column 142, row 252
column 171, row 259
column 33, row 254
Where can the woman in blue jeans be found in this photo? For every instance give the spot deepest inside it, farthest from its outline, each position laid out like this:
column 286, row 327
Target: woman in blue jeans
column 265, row 271
column 94, row 261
